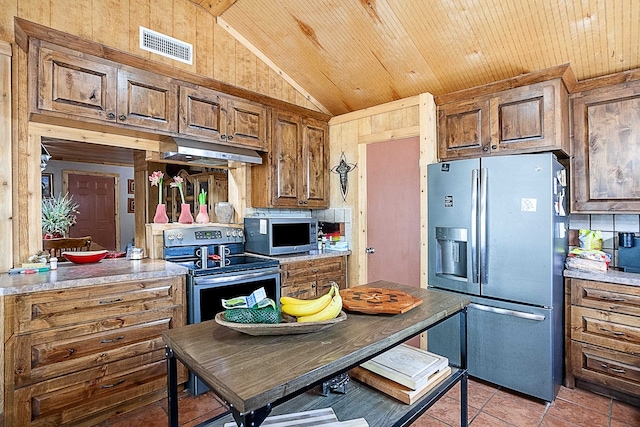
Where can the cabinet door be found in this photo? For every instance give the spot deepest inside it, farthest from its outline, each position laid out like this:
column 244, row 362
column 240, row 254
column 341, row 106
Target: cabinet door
column 286, row 155
column 202, row 113
column 76, row 84
column 463, row 129
column 148, row 100
column 314, row 176
column 522, row 119
column 247, row 123
column 606, row 146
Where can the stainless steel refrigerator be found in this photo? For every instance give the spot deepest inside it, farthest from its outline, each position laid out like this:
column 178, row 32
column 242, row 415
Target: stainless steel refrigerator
column 498, row 232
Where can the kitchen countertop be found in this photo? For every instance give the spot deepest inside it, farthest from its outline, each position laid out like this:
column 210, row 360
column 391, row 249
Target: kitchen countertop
column 70, row 275
column 309, row 256
column 611, row 276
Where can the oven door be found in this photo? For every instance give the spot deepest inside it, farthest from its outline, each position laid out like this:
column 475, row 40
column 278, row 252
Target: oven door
column 205, row 293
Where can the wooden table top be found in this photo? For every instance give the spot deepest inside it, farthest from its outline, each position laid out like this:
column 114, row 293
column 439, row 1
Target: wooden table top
column 250, row 372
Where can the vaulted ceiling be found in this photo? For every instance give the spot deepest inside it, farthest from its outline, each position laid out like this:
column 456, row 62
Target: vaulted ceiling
column 352, row 54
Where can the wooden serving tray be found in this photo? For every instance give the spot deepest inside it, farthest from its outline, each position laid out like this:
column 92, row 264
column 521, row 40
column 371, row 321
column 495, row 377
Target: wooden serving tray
column 282, row 328
column 371, row 300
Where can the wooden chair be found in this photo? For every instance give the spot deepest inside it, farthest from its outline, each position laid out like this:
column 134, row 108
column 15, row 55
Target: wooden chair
column 55, row 247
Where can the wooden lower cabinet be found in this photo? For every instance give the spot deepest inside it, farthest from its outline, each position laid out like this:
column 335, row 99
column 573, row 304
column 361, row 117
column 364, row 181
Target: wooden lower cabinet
column 312, row 278
column 604, row 343
column 79, row 356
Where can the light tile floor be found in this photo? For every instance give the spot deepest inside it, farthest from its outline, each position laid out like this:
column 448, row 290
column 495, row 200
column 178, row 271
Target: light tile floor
column 489, row 405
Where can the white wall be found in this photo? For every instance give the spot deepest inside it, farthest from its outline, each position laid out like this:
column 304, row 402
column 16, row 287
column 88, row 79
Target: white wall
column 127, row 227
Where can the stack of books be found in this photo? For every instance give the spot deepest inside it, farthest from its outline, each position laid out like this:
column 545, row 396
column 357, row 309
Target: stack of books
column 405, row 373
column 318, row 417
column 588, row 260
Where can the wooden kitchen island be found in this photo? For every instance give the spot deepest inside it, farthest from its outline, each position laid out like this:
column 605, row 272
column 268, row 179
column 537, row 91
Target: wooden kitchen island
column 257, row 374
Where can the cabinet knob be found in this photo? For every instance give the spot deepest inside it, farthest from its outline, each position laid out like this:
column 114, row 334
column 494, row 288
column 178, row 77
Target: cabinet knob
column 111, row 116
column 494, row 147
column 230, row 137
column 485, row 148
column 223, row 136
column 300, row 202
column 123, row 117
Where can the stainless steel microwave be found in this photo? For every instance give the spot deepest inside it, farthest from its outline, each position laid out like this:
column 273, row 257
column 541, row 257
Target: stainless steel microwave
column 279, row 236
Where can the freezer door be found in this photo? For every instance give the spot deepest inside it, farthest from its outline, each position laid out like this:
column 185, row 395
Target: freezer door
column 452, row 218
column 511, row 345
column 520, row 229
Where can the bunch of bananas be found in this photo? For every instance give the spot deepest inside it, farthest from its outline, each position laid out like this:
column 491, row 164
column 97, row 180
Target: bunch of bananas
column 326, row 307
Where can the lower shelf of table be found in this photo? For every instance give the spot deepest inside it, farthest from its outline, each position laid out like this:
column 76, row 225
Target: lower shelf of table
column 360, row 401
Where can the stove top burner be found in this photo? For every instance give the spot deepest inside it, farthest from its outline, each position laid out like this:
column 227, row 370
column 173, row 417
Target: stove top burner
column 234, row 263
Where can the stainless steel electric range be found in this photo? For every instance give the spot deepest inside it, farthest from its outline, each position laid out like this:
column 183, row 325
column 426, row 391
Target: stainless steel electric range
column 218, row 268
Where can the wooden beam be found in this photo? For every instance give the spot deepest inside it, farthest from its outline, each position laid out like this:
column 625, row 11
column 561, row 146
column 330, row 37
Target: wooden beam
column 215, row 7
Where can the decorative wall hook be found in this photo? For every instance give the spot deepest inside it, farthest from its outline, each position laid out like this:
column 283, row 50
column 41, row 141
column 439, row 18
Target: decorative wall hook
column 342, row 169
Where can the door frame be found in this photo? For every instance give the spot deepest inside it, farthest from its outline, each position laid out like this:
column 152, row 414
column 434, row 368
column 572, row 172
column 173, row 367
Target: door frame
column 116, row 187
column 427, row 134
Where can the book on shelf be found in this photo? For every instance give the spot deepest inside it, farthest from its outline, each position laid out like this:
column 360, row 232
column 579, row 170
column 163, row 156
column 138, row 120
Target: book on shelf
column 407, row 365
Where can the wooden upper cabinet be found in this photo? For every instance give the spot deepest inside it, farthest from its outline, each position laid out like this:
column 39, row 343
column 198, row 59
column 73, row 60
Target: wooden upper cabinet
column 295, row 171
column 74, row 83
column 463, row 129
column 246, row 123
column 606, row 146
column 527, row 119
column 209, row 114
column 147, row 100
column 315, row 155
column 77, row 85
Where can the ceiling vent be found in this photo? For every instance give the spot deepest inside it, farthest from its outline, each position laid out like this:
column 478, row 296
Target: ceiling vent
column 166, row 46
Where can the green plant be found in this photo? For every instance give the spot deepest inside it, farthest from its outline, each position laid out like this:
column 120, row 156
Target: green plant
column 202, row 197
column 58, row 214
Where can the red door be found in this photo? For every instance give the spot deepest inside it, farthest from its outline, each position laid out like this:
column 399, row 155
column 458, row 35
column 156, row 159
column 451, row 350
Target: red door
column 393, row 212
column 95, row 196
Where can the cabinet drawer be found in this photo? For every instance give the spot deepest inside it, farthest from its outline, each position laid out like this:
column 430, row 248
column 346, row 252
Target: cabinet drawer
column 47, row 354
column 44, row 310
column 66, row 400
column 610, row 368
column 303, row 290
column 606, row 296
column 303, row 270
column 616, row 331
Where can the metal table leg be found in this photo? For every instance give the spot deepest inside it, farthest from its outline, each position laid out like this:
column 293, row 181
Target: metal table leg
column 464, row 401
column 172, row 387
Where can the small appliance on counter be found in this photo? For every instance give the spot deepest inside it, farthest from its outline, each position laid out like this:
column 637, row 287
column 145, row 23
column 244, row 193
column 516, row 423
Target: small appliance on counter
column 280, row 236
column 629, row 252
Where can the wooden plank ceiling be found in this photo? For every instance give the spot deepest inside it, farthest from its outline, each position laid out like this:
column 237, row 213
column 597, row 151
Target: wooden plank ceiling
column 351, row 55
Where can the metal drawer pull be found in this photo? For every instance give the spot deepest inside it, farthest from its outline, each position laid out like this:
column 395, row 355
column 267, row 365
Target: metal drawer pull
column 617, row 299
column 112, row 340
column 112, row 385
column 496, row 310
column 617, row 370
column 612, row 332
column 111, row 301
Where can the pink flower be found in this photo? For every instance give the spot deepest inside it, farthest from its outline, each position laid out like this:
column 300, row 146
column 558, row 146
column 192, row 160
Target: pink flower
column 156, row 180
column 177, row 182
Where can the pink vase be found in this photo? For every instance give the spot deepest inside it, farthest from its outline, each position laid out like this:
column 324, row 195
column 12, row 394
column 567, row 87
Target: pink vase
column 203, row 216
column 161, row 214
column 185, row 214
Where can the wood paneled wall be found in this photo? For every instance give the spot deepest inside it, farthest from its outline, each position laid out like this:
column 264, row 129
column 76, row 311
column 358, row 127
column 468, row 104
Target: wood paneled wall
column 349, row 133
column 114, row 23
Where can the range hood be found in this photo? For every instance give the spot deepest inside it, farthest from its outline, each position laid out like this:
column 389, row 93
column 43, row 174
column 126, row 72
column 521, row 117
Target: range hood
column 205, row 153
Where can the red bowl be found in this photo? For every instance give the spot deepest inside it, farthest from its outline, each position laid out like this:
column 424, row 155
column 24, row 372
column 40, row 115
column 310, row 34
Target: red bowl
column 85, row 257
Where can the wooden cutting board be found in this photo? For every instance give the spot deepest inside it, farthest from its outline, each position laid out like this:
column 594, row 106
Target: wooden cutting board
column 371, row 300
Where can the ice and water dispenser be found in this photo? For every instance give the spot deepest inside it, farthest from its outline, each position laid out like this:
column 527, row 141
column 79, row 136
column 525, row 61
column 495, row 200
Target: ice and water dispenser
column 451, row 252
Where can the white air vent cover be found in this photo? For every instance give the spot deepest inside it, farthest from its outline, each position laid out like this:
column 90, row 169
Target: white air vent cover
column 166, row 46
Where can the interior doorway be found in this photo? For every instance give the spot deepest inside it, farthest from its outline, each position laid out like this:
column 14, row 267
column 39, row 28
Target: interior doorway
column 95, row 194
column 393, row 212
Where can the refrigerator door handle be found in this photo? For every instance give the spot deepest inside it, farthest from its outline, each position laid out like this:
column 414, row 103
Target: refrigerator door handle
column 484, row 273
column 474, row 226
column 506, row 312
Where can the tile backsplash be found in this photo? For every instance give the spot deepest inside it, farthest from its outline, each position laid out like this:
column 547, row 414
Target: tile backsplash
column 609, row 224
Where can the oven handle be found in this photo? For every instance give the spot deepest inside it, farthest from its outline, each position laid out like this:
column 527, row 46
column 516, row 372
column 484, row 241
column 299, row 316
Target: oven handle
column 213, row 279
